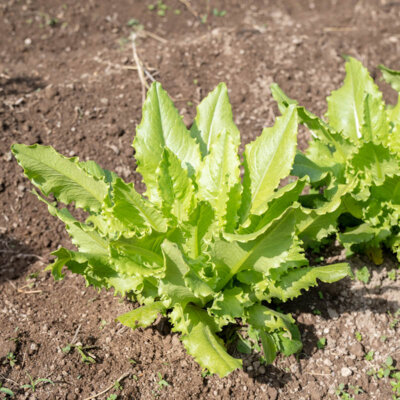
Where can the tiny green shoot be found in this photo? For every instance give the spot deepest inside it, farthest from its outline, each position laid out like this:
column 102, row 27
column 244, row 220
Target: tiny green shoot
column 363, row 275
column 321, row 343
column 161, row 381
column 369, row 356
column 6, row 391
column 34, row 382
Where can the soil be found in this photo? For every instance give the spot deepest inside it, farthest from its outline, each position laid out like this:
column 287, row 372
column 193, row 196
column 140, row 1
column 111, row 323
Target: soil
column 67, row 80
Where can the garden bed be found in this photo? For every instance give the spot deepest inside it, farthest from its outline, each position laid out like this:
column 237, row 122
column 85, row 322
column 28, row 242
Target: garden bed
column 67, row 79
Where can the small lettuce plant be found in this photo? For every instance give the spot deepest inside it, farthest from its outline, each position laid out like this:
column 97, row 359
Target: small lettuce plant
column 353, row 163
column 203, row 246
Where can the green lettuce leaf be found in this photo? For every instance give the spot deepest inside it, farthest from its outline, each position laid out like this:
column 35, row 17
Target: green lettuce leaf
column 55, row 174
column 162, row 127
column 214, row 115
column 346, row 105
column 208, row 350
column 143, row 316
column 268, row 160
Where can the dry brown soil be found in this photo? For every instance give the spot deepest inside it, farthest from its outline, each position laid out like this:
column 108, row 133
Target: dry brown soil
column 66, row 79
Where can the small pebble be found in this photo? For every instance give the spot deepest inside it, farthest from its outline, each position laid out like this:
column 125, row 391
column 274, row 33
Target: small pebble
column 332, row 313
column 345, row 372
column 357, row 349
column 50, row 92
column 328, row 362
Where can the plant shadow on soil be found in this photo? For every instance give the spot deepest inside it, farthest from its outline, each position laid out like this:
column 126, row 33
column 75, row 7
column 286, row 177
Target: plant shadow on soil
column 319, row 300
column 15, row 258
column 20, row 85
column 276, row 377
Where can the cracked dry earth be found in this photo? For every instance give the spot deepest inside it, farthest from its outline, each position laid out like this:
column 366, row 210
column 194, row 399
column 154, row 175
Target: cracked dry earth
column 67, row 79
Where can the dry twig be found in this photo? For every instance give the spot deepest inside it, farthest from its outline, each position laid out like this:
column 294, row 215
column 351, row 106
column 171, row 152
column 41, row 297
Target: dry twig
column 189, row 7
column 22, row 255
column 139, row 67
column 145, row 33
column 339, row 29
column 76, row 334
column 19, row 290
column 109, row 387
column 9, row 380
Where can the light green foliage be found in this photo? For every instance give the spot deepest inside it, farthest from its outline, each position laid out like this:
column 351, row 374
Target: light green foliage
column 161, row 381
column 10, row 359
column 363, row 274
column 370, row 355
column 35, row 382
column 6, row 391
column 343, row 391
column 203, row 246
column 83, row 351
column 321, row 343
column 353, row 163
column 388, row 370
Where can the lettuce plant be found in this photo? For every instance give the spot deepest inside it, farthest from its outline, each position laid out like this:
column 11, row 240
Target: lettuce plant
column 353, row 164
column 203, row 246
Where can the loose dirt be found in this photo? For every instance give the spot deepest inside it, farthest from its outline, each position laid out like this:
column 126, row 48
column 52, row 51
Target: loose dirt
column 67, row 79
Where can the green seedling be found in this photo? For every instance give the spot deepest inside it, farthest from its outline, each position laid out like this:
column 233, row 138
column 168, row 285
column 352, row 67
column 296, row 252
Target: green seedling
column 388, row 371
column 342, row 393
column 162, row 382
column 103, row 324
column 86, row 357
column 218, row 13
column 363, row 275
column 369, row 356
column 392, row 275
column 133, row 22
column 33, row 275
column 160, row 7
column 6, row 391
column 321, row 343
column 395, row 320
column 395, row 383
column 358, row 336
column 10, row 359
column 34, row 383
column 48, row 20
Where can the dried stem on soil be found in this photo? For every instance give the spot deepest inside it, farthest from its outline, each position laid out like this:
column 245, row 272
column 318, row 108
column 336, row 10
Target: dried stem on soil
column 189, row 7
column 9, row 380
column 139, row 67
column 76, row 334
column 145, row 33
column 109, row 387
column 27, row 255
